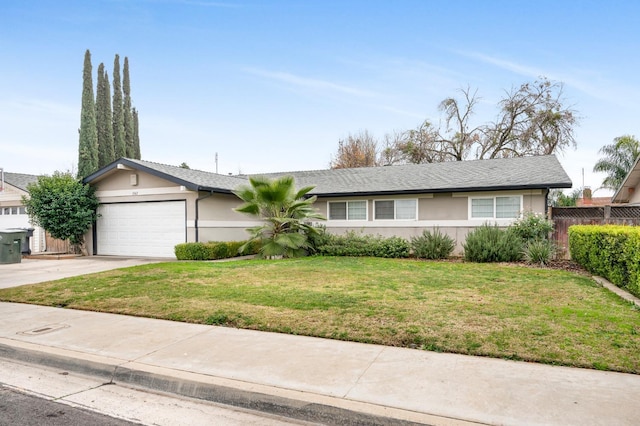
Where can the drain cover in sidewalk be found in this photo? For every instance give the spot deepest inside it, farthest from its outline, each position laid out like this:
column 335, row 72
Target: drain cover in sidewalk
column 44, row 329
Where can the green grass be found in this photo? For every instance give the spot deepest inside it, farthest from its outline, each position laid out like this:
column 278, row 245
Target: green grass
column 504, row 311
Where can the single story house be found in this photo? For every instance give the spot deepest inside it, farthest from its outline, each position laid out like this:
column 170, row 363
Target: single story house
column 629, row 191
column 12, row 211
column 147, row 208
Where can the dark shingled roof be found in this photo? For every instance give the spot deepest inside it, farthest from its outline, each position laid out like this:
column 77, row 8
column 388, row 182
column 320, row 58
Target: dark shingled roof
column 19, row 180
column 195, row 180
column 455, row 176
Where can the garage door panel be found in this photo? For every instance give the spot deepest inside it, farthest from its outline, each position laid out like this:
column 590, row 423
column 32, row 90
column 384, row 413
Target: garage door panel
column 140, row 229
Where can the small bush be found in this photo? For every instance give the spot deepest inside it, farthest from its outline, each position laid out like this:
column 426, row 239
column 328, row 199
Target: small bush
column 491, row 244
column 395, row 247
column 539, row 252
column 213, row 250
column 358, row 244
column 532, row 226
column 192, row 251
column 432, row 245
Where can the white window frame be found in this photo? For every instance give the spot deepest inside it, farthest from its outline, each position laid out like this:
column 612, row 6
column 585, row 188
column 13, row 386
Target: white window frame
column 366, row 210
column 494, row 198
column 395, row 209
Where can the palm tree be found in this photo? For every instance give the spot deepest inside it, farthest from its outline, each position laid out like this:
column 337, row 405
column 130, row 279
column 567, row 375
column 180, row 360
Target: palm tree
column 285, row 212
column 619, row 158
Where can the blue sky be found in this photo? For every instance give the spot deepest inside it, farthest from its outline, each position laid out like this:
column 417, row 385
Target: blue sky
column 273, row 85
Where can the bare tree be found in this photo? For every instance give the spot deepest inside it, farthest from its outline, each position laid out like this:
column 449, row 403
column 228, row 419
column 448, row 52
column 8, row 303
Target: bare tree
column 533, row 120
column 390, row 154
column 458, row 139
column 422, row 145
column 360, row 150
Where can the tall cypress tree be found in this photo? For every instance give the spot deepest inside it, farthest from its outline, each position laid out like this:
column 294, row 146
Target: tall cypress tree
column 119, row 141
column 106, row 152
column 88, row 143
column 126, row 110
column 136, row 135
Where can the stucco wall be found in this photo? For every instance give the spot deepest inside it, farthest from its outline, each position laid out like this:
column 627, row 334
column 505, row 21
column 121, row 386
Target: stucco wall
column 122, row 179
column 449, row 212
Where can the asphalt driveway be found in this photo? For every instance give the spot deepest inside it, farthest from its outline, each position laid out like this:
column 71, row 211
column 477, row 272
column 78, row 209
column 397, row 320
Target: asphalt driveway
column 32, row 271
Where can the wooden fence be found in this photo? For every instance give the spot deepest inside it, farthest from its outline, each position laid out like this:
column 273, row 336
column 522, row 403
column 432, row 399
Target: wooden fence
column 53, row 245
column 564, row 217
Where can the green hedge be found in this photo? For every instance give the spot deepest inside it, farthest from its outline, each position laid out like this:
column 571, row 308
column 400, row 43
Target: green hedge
column 212, row 250
column 358, row 244
column 611, row 251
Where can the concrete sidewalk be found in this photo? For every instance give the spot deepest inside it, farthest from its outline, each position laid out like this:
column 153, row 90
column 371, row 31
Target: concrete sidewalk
column 315, row 379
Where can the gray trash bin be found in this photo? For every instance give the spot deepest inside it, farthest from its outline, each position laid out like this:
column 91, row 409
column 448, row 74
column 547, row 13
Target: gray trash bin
column 11, row 245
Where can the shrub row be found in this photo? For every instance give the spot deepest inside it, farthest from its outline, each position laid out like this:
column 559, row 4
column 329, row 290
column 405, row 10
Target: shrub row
column 213, row 250
column 611, row 251
column 358, row 244
column 526, row 238
column 430, row 245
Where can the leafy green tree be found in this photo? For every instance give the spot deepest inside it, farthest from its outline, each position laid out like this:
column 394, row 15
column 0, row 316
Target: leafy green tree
column 88, row 144
column 557, row 198
column 62, row 205
column 618, row 160
column 106, row 152
column 127, row 113
column 136, row 135
column 285, row 213
column 119, row 140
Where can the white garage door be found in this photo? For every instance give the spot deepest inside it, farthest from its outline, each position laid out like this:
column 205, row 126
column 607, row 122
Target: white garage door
column 140, row 229
column 13, row 217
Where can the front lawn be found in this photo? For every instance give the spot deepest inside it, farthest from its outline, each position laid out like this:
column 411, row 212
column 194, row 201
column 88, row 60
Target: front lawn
column 504, row 311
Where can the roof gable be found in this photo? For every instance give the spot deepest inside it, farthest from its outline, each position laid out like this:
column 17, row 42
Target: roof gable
column 195, row 180
column 19, row 180
column 629, row 184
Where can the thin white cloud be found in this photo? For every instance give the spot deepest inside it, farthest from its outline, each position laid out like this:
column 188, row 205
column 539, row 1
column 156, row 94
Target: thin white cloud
column 605, row 90
column 507, row 65
column 40, row 106
column 311, row 83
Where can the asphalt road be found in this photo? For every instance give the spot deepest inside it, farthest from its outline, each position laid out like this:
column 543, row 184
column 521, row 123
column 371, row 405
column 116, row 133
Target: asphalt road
column 58, row 394
column 17, row 408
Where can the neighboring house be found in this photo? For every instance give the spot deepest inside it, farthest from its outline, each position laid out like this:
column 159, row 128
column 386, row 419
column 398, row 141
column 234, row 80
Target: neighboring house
column 12, row 211
column 629, row 191
column 146, row 208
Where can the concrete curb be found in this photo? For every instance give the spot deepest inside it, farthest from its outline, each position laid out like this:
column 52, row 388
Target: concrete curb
column 297, row 405
column 617, row 290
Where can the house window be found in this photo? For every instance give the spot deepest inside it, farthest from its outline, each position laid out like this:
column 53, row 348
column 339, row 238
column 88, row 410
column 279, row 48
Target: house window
column 348, row 210
column 507, row 207
column 496, row 207
column 395, row 209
